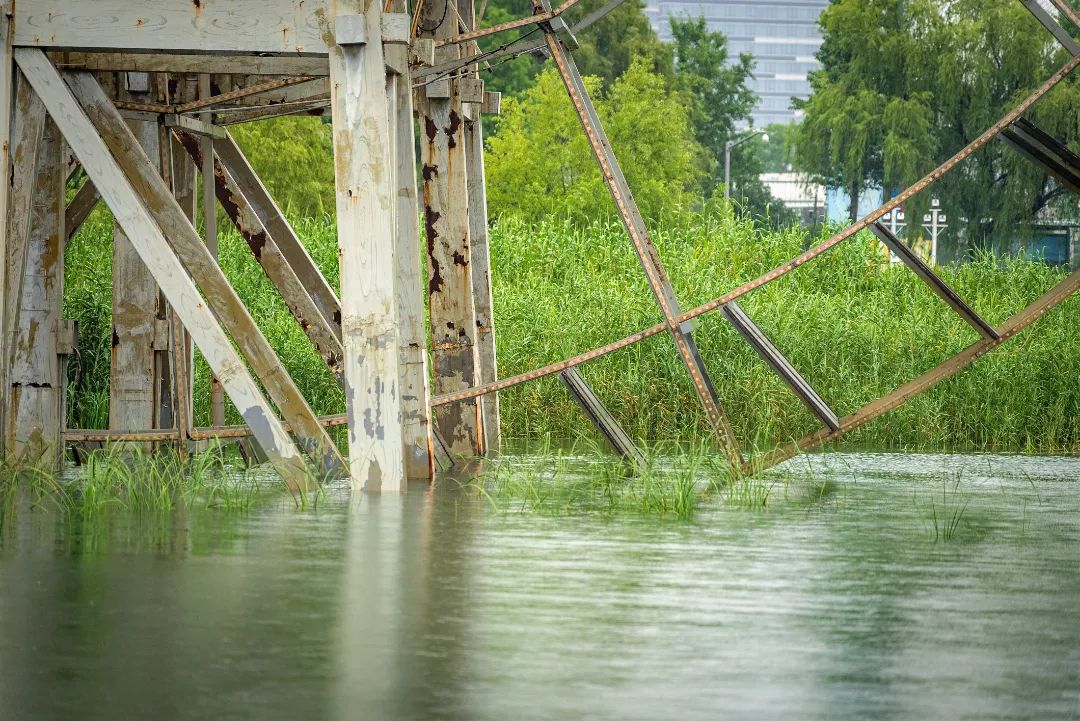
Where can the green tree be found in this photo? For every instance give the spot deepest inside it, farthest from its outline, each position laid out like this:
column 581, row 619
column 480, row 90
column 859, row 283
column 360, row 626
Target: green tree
column 294, row 155
column 539, row 163
column 906, row 83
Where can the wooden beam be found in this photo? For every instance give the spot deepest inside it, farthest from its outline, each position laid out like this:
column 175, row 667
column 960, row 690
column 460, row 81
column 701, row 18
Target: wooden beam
column 365, row 214
column 150, row 242
column 409, row 287
column 780, row 364
column 7, row 108
column 197, row 259
column 80, row 208
column 271, row 218
column 488, row 367
column 291, row 27
column 195, row 126
column 170, row 62
column 26, row 137
column 446, row 221
column 322, row 333
column 583, row 394
column 139, row 376
column 940, row 288
column 36, row 398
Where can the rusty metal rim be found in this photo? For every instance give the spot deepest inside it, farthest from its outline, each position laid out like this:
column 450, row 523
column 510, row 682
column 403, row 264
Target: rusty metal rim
column 781, row 270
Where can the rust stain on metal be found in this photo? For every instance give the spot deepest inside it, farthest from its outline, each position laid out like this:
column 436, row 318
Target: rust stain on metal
column 429, row 172
column 452, row 129
column 431, row 129
column 435, row 279
column 459, row 259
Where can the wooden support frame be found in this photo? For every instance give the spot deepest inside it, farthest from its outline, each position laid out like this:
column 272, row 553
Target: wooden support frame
column 601, row 417
column 780, row 364
column 149, row 240
column 936, row 284
column 178, row 62
column 365, row 211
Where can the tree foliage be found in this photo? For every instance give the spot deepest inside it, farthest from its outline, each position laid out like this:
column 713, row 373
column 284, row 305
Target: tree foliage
column 539, row 163
column 906, row 83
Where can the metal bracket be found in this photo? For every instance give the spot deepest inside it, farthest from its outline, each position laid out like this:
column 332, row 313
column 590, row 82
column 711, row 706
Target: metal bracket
column 350, row 30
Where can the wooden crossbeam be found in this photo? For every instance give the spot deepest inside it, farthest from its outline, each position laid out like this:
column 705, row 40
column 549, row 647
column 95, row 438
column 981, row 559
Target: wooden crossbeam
column 291, row 27
column 1044, row 150
column 601, row 417
column 780, row 364
column 1052, row 25
column 323, row 334
column 149, row 240
column 175, row 62
column 940, row 288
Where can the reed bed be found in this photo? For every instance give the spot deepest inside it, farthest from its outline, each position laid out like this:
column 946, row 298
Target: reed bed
column 853, row 326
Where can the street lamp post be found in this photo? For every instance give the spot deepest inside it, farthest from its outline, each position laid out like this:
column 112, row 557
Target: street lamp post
column 727, row 156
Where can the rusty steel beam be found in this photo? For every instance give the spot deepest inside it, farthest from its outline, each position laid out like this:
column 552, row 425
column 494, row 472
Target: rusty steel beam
column 601, row 417
column 1007, row 330
column 78, row 435
column 1068, row 11
column 541, row 17
column 643, row 245
column 936, row 284
column 780, row 364
column 257, row 89
column 780, row 270
column 1044, row 150
column 1052, row 25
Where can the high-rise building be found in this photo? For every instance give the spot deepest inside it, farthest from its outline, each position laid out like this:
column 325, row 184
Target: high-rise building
column 782, row 36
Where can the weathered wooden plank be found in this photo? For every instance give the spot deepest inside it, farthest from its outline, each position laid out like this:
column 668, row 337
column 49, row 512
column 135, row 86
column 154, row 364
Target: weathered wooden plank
column 271, row 217
column 639, row 236
column 7, row 102
column 205, row 162
column 365, row 215
column 136, row 372
column 156, row 62
column 322, row 333
column 585, row 397
column 488, row 368
column 210, row 26
column 196, row 258
column 195, row 126
column 150, row 242
column 316, row 106
column 36, row 396
column 780, row 364
column 297, row 89
column 26, row 135
column 409, row 287
column 941, row 289
column 446, row 222
column 80, row 208
column 184, row 180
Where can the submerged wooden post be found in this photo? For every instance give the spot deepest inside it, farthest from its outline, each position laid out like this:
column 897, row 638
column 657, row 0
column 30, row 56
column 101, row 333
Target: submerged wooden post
column 365, row 215
column 36, row 407
column 412, row 349
column 446, row 223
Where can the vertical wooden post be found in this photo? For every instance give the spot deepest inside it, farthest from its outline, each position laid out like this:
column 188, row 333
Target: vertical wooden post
column 140, row 332
column 7, row 96
column 481, row 277
column 210, row 228
column 365, row 216
column 415, row 410
column 36, row 397
column 446, row 222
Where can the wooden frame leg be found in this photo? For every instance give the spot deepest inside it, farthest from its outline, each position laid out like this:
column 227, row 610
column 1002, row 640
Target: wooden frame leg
column 365, row 213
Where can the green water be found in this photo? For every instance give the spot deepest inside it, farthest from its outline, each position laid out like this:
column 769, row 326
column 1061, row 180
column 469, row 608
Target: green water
column 844, row 599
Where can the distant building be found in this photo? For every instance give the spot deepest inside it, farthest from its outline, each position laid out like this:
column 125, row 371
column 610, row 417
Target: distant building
column 806, row 199
column 782, row 36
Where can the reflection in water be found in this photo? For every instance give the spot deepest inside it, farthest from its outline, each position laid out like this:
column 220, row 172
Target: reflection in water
column 836, row 602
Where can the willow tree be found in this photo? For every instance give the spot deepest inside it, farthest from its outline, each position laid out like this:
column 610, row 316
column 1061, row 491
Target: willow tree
column 904, row 84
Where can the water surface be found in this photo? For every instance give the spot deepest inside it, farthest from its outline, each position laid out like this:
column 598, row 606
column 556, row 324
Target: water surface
column 872, row 586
